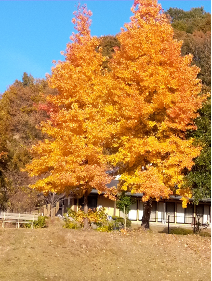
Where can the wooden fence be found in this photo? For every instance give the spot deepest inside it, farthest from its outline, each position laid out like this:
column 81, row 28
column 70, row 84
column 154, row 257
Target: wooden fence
column 48, row 210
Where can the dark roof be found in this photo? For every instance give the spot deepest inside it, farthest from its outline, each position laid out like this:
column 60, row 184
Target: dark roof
column 173, row 197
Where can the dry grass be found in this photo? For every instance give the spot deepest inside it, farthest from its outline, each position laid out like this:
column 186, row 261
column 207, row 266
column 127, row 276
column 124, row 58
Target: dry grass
column 55, row 253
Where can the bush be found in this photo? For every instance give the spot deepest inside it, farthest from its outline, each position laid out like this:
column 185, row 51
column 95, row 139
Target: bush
column 40, row 223
column 106, row 227
column 97, row 217
column 120, row 220
column 71, row 224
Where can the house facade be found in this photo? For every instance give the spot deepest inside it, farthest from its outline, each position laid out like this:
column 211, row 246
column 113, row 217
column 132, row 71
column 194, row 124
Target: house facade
column 171, row 207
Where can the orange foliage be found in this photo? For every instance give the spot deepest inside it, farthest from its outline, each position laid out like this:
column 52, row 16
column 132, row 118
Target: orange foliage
column 156, row 93
column 140, row 109
column 72, row 159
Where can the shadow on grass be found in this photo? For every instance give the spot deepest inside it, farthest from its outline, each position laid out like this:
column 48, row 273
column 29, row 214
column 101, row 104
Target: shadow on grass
column 177, row 230
column 184, row 231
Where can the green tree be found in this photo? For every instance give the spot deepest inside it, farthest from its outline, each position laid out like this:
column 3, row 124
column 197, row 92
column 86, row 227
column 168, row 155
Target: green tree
column 194, row 28
column 200, row 175
column 124, row 202
column 27, row 80
column 108, row 44
column 189, row 21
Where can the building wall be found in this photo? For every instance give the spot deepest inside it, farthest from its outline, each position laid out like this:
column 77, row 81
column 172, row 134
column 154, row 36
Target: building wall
column 180, row 213
column 133, row 213
column 206, row 215
column 160, row 210
column 140, row 209
column 109, row 205
column 173, row 209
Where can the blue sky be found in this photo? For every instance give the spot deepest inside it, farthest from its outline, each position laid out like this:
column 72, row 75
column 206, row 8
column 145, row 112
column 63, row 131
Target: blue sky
column 32, row 33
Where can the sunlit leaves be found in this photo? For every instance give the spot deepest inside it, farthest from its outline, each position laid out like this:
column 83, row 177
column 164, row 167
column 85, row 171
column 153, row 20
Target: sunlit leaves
column 138, row 109
column 73, row 160
column 158, row 97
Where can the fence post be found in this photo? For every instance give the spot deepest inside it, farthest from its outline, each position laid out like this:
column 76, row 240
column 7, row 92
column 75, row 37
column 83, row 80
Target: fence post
column 57, row 207
column 63, row 210
column 48, row 210
column 53, row 212
column 168, row 223
column 45, row 211
column 194, row 225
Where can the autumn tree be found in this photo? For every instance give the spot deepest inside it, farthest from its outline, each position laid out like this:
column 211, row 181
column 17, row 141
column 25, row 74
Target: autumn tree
column 72, row 159
column 155, row 97
column 3, row 185
column 138, row 108
column 19, row 116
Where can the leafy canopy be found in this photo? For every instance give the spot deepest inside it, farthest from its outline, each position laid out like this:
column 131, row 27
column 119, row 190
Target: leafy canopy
column 155, row 94
column 72, row 159
column 139, row 108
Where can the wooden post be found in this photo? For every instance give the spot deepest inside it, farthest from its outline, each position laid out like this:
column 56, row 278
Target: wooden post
column 69, row 202
column 44, row 210
column 194, row 230
column 48, row 210
column 57, row 207
column 168, row 223
column 53, row 212
column 125, row 219
column 18, row 220
column 156, row 211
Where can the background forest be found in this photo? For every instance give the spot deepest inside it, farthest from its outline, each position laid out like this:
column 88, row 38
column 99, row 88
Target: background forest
column 23, row 107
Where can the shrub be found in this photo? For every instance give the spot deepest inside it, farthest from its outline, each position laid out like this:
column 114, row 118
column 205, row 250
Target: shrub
column 40, row 223
column 98, row 217
column 71, row 224
column 120, row 220
column 106, row 227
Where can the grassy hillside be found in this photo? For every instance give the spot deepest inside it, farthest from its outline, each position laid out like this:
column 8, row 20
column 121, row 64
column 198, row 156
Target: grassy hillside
column 62, row 254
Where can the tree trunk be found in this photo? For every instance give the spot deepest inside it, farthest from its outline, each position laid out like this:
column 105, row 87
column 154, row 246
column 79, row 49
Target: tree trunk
column 86, row 222
column 146, row 214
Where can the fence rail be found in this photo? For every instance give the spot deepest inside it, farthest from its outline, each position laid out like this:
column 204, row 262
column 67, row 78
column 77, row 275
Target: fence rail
column 195, row 224
column 17, row 218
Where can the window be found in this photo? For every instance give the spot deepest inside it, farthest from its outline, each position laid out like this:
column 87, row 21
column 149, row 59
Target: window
column 170, row 210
